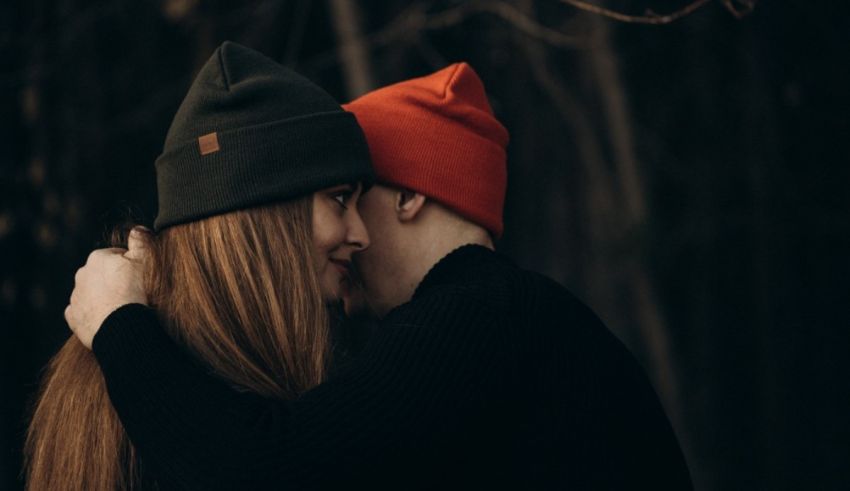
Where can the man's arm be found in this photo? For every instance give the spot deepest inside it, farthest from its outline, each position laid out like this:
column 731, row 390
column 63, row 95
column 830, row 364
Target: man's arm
column 196, row 432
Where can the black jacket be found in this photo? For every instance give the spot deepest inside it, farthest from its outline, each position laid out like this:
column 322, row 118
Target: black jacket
column 490, row 377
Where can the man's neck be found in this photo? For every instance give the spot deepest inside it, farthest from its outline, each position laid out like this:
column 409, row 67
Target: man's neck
column 433, row 239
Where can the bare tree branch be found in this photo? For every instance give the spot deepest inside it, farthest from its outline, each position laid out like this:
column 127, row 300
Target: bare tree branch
column 591, row 155
column 410, row 23
column 739, row 8
column 603, row 63
column 353, row 49
column 506, row 12
column 649, row 18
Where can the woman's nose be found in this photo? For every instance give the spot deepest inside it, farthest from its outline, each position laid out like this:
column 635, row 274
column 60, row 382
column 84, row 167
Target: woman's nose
column 358, row 235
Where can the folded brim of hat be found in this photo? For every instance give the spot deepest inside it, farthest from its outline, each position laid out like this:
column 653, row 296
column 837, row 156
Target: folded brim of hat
column 258, row 165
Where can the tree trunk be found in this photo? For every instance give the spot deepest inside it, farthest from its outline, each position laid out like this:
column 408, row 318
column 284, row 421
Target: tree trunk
column 356, row 63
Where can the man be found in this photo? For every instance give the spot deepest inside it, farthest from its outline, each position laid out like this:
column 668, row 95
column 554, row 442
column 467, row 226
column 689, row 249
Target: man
column 480, row 374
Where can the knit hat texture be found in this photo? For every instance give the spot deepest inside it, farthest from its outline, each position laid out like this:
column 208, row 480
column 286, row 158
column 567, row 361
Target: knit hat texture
column 437, row 135
column 251, row 132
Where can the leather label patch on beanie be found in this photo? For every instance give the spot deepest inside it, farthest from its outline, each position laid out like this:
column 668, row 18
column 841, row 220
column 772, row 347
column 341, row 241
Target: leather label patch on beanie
column 209, row 143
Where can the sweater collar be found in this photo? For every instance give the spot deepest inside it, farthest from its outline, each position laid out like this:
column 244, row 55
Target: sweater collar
column 466, row 264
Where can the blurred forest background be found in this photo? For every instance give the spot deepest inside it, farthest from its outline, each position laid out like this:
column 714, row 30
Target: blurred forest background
column 688, row 180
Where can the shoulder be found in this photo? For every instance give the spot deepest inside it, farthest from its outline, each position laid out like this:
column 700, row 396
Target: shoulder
column 536, row 296
column 557, row 319
column 549, row 297
column 448, row 305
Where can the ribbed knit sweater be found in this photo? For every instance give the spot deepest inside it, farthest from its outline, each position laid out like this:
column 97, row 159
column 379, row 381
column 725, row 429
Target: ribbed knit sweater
column 490, row 377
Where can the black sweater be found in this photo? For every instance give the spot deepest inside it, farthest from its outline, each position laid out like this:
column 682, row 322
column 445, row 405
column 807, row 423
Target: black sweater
column 490, row 377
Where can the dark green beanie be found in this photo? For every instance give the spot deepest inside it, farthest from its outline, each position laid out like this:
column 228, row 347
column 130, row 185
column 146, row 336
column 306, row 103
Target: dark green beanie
column 251, row 132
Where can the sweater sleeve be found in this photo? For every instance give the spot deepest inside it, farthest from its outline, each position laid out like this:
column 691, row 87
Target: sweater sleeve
column 424, row 367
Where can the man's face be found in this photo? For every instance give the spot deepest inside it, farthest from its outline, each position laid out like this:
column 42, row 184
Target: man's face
column 380, row 266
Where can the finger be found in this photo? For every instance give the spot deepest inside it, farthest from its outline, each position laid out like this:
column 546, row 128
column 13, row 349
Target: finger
column 136, row 246
column 106, row 252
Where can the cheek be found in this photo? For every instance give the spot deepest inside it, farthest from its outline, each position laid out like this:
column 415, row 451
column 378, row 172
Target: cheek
column 328, row 232
column 374, row 262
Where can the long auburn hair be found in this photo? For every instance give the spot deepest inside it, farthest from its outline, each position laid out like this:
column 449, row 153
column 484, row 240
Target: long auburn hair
column 239, row 291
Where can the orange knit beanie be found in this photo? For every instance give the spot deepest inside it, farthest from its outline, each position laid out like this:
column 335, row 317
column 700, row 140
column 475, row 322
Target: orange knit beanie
column 437, row 135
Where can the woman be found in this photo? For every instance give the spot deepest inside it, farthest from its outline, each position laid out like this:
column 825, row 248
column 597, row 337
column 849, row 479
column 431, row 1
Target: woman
column 257, row 185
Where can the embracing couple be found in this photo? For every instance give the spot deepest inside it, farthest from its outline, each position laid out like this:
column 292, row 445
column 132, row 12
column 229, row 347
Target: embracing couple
column 210, row 335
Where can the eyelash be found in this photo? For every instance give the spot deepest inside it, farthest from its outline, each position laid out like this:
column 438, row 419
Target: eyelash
column 345, row 195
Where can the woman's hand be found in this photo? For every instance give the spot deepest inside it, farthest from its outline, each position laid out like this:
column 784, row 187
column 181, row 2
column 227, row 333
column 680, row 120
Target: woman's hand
column 110, row 278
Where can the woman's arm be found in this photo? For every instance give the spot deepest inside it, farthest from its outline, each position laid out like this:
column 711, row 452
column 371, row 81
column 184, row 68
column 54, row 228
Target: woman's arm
column 195, row 431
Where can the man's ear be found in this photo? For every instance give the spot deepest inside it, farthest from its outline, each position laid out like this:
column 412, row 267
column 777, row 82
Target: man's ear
column 408, row 204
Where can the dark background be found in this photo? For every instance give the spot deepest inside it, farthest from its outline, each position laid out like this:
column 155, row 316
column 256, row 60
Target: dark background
column 688, row 181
